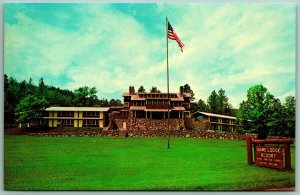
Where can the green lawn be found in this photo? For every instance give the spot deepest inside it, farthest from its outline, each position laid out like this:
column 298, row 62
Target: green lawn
column 89, row 163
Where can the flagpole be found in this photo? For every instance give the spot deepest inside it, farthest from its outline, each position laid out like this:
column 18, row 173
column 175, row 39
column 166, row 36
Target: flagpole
column 168, row 83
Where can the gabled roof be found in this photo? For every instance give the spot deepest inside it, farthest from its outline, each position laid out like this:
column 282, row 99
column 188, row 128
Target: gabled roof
column 98, row 109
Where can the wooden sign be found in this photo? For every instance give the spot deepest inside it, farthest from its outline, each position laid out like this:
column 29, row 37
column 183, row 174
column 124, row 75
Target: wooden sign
column 269, row 156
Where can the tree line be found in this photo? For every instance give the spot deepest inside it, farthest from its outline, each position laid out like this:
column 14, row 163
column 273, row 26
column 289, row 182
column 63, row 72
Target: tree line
column 217, row 103
column 261, row 112
column 25, row 98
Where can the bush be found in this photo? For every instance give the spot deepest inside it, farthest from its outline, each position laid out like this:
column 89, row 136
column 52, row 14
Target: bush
column 220, row 131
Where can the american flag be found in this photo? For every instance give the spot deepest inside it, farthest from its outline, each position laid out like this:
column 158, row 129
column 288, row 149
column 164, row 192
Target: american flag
column 173, row 36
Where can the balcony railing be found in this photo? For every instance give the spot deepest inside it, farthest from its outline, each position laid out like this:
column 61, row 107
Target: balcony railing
column 157, row 106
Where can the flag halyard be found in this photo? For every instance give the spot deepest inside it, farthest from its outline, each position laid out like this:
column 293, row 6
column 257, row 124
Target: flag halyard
column 173, row 36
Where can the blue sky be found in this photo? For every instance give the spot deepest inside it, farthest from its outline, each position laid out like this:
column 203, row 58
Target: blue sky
column 113, row 46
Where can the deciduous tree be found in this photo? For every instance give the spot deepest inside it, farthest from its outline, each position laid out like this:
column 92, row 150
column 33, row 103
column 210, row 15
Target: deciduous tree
column 30, row 109
column 85, row 96
column 289, row 108
column 257, row 111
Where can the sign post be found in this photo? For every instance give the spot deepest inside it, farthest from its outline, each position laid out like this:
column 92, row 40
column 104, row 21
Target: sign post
column 272, row 153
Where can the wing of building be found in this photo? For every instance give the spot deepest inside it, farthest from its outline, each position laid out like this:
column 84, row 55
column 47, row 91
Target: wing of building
column 218, row 121
column 77, row 116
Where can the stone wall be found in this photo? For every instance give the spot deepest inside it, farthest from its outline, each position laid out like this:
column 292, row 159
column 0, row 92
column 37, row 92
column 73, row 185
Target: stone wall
column 145, row 133
column 149, row 124
column 184, row 133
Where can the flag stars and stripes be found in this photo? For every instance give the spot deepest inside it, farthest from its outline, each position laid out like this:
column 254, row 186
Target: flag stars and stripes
column 173, row 36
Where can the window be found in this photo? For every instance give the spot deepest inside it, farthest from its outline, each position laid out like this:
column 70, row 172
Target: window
column 90, row 123
column 90, row 114
column 65, row 114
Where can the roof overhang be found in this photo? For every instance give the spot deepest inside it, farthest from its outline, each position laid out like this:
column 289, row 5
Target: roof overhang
column 96, row 109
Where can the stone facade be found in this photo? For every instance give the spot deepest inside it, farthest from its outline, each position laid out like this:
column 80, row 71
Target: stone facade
column 145, row 133
column 149, row 124
column 156, row 105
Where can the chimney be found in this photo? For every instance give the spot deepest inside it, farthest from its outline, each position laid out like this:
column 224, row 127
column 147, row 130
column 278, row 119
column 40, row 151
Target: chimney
column 181, row 91
column 131, row 90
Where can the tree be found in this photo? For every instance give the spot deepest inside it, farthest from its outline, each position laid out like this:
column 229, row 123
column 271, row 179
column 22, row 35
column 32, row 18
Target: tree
column 104, row 102
column 11, row 95
column 187, row 89
column 30, row 109
column 154, row 90
column 257, row 112
column 141, row 89
column 275, row 122
column 289, row 109
column 30, row 88
column 85, row 96
column 42, row 88
column 223, row 106
column 212, row 102
column 23, row 89
column 202, row 106
column 6, row 82
column 114, row 102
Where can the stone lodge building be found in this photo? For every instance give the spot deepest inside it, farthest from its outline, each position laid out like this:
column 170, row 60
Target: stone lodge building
column 155, row 105
column 149, row 111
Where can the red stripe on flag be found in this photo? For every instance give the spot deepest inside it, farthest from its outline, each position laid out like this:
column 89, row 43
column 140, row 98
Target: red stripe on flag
column 173, row 36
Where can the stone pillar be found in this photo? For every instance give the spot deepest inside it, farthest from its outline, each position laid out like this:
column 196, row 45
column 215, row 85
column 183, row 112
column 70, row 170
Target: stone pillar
column 124, row 126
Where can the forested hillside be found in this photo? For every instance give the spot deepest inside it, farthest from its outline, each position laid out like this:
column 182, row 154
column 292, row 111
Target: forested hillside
column 15, row 92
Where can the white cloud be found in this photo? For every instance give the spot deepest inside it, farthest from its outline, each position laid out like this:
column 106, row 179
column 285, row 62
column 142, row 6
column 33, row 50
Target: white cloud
column 226, row 46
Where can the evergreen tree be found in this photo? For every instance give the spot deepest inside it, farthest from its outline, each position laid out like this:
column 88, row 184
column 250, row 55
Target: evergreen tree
column 202, row 106
column 187, row 89
column 141, row 89
column 42, row 88
column 212, row 102
column 6, row 82
column 30, row 88
column 223, row 105
column 114, row 102
column 154, row 90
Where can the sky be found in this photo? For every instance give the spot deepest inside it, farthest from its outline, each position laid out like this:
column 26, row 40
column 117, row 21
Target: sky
column 114, row 46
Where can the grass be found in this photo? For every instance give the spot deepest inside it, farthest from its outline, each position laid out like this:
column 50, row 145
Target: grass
column 88, row 163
